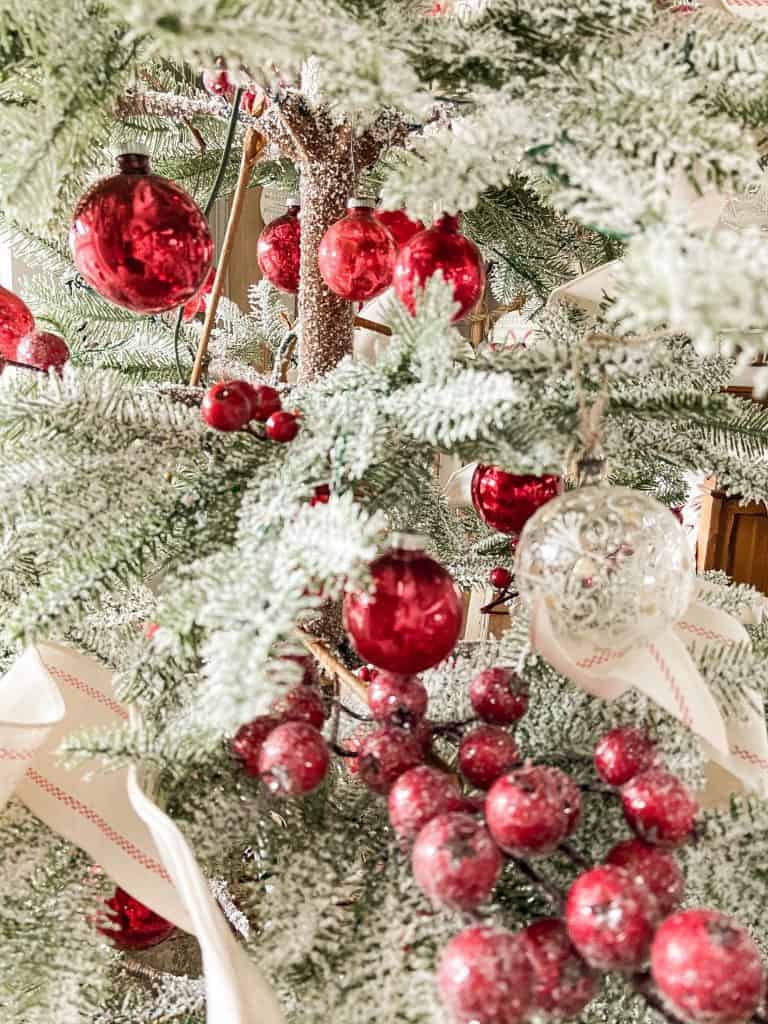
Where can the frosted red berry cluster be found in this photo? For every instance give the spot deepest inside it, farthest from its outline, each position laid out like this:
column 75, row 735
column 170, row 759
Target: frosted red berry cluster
column 232, row 405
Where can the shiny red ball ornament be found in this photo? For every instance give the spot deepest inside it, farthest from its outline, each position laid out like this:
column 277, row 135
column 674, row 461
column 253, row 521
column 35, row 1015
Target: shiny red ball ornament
column 440, row 248
column 357, row 254
column 499, row 696
column 500, row 578
column 278, row 249
column 486, row 753
column 398, row 700
column 385, row 754
column 216, row 82
column 16, row 320
column 656, row 869
column 455, row 861
column 399, row 224
column 485, row 977
column 293, row 759
column 226, row 407
column 418, row 796
column 301, row 704
column 706, row 968
column 610, row 919
column 132, row 925
column 506, row 501
column 622, row 754
column 413, row 617
column 659, row 808
column 528, row 811
column 199, row 301
column 563, row 984
column 249, row 739
column 43, row 350
column 140, row 240
column 282, row 427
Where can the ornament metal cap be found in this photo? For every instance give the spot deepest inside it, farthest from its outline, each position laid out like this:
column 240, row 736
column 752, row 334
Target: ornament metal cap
column 356, row 203
column 407, row 541
column 292, row 201
column 131, row 147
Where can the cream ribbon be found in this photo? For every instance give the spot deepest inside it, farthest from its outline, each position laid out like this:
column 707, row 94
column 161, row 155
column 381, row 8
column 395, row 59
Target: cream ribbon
column 51, row 691
column 665, row 671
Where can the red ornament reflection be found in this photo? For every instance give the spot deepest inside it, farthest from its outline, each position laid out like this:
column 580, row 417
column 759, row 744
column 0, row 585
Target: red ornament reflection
column 441, row 248
column 506, row 501
column 131, row 924
column 16, row 320
column 199, row 301
column 278, row 250
column 399, row 225
column 357, row 255
column 140, row 240
column 412, row 619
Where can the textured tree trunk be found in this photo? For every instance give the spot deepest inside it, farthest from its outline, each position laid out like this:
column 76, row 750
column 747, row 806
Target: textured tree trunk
column 326, row 320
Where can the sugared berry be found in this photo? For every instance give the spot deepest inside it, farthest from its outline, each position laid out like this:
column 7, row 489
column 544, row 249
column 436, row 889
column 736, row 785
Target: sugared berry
column 419, row 795
column 526, row 812
column 570, row 798
column 500, row 578
column 293, row 759
column 301, row 704
column 399, row 700
column 43, row 350
column 485, row 753
column 622, row 754
column 707, row 968
column 563, row 983
column 659, row 808
column 352, row 743
column 654, row 868
column 498, row 696
column 455, row 861
column 217, row 82
column 282, row 427
column 225, row 408
column 385, row 754
column 485, row 977
column 610, row 919
column 249, row 739
column 264, row 402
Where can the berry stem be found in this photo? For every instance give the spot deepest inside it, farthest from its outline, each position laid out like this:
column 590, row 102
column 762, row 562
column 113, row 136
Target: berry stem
column 352, row 714
column 506, row 595
column 342, row 751
column 553, row 894
column 574, row 856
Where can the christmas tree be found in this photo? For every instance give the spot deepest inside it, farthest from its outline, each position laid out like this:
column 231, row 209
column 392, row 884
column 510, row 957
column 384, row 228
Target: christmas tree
column 251, row 686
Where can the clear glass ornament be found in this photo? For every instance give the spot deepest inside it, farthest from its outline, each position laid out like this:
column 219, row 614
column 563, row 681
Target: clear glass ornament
column 612, row 565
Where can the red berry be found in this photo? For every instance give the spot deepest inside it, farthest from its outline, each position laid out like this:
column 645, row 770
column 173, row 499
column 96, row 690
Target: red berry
column 218, row 83
column 385, row 754
column 301, row 704
column 365, row 673
column 526, row 812
column 622, row 754
column 484, row 977
column 353, row 742
column 707, row 968
column 455, row 861
column 293, row 759
column 652, row 867
column 249, row 739
column 254, row 100
column 419, row 795
column 43, row 350
column 225, row 408
column 150, row 628
column 399, row 700
column 264, row 402
column 610, row 919
column 498, row 696
column 500, row 577
column 485, row 754
column 659, row 808
column 246, row 390
column 131, row 924
column 321, row 496
column 282, row 427
column 563, row 983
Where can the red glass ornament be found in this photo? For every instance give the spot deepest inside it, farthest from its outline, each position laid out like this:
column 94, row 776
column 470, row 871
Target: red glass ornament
column 527, row 812
column 707, row 968
column 199, row 301
column 282, row 427
column 441, row 248
column 399, row 700
column 485, row 977
column 455, row 861
column 16, row 320
column 249, row 739
column 563, row 984
column 385, row 754
column 226, row 407
column 610, row 919
column 419, row 795
column 132, row 925
column 399, row 225
column 506, row 501
column 622, row 754
column 413, row 618
column 486, row 753
column 500, row 578
column 656, row 869
column 278, row 250
column 217, row 82
column 43, row 350
column 140, row 240
column 357, row 255
column 293, row 759
column 498, row 696
column 659, row 808
column 301, row 704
